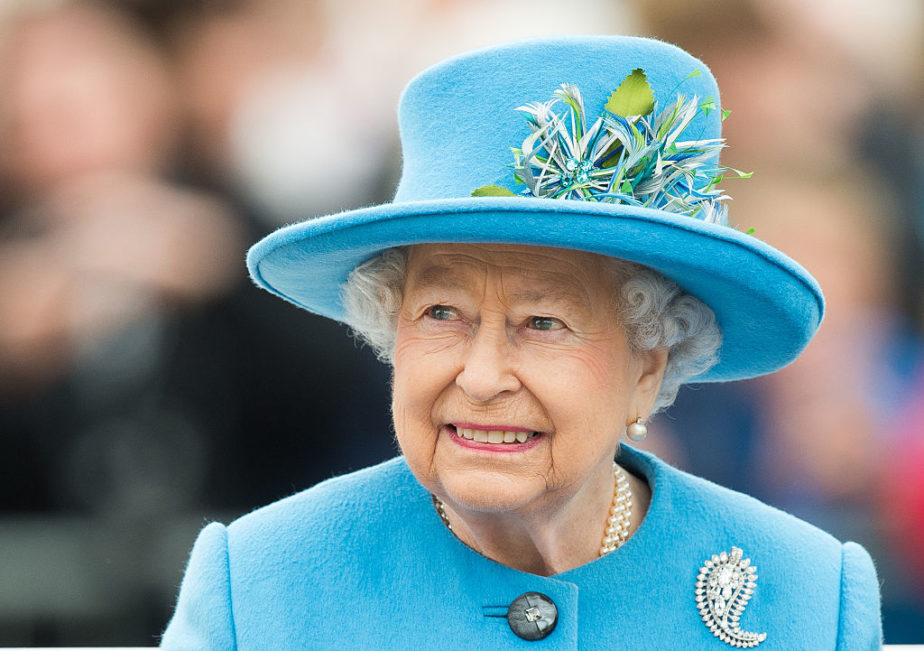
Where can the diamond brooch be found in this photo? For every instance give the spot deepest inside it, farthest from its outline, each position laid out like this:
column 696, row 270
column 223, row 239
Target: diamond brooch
column 724, row 586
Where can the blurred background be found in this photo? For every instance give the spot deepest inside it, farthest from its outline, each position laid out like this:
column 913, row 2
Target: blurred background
column 146, row 387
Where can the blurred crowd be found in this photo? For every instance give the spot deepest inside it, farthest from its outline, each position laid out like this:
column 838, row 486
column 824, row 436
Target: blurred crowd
column 145, row 386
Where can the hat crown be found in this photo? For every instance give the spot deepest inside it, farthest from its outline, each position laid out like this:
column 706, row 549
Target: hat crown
column 459, row 119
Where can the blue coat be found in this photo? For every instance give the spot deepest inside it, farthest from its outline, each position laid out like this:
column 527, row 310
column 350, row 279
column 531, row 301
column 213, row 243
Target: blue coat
column 363, row 561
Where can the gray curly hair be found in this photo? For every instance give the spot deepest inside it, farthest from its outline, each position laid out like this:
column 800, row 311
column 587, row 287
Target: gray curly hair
column 655, row 312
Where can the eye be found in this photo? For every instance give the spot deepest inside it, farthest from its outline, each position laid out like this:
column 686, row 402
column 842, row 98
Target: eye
column 441, row 313
column 544, row 323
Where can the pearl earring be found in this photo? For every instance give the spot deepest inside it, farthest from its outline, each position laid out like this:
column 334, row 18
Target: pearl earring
column 637, row 431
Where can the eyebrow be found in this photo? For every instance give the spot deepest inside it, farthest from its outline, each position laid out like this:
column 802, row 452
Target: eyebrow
column 439, row 276
column 561, row 293
column 554, row 293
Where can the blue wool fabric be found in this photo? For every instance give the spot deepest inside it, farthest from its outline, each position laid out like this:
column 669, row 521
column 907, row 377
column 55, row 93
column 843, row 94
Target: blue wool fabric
column 459, row 121
column 364, row 562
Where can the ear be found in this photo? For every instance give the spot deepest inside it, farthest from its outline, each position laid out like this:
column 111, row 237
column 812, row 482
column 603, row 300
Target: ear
column 651, row 371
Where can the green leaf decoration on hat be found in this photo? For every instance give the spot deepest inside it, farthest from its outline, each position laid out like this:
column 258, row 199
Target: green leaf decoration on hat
column 492, row 191
column 707, row 105
column 741, row 175
column 633, row 97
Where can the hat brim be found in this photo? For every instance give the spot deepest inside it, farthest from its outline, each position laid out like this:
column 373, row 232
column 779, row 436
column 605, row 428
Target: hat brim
column 767, row 306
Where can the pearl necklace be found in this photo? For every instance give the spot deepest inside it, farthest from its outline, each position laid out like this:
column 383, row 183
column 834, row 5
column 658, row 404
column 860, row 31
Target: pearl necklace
column 617, row 525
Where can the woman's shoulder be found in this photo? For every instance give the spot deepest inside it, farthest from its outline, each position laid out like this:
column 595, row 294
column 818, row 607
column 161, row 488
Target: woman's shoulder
column 683, row 497
column 694, row 510
column 336, row 504
column 262, row 576
column 693, row 498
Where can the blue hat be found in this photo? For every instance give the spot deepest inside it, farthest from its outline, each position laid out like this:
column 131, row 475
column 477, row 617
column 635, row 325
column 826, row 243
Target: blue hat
column 600, row 144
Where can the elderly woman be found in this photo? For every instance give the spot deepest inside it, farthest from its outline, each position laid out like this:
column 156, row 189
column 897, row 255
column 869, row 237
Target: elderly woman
column 536, row 306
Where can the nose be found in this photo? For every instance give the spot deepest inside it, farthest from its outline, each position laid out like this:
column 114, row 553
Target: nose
column 488, row 371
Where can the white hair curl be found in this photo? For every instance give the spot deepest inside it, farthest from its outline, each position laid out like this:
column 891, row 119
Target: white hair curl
column 654, row 311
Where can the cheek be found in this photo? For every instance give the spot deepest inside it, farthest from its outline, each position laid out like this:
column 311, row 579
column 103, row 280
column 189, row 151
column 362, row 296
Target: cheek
column 410, row 416
column 594, row 369
column 422, row 362
column 415, row 340
column 600, row 365
column 586, row 392
column 422, row 372
column 411, row 394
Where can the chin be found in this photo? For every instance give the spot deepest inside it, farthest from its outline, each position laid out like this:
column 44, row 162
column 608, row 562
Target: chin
column 491, row 492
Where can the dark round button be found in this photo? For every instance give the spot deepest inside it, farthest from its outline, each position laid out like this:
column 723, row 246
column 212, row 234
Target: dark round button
column 532, row 616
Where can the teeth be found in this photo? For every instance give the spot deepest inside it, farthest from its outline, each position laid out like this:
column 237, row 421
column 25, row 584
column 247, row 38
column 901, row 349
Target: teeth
column 494, row 436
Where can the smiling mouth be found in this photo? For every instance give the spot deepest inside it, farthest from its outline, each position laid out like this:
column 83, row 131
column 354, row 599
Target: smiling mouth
column 493, row 436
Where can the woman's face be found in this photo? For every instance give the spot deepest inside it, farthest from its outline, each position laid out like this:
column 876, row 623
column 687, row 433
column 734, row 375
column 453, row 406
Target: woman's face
column 519, row 340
